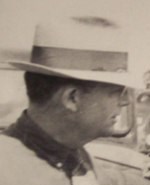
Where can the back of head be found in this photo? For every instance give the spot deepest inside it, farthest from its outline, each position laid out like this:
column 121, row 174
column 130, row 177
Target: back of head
column 41, row 87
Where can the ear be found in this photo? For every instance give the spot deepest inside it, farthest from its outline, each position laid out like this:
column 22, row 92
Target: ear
column 71, row 98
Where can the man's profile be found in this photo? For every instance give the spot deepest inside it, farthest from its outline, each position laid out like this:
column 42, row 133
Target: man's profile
column 70, row 104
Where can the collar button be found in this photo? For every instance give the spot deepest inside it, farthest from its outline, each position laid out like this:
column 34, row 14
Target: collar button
column 59, row 165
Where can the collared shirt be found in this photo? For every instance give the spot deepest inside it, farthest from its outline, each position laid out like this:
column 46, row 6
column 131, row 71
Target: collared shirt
column 41, row 160
column 73, row 162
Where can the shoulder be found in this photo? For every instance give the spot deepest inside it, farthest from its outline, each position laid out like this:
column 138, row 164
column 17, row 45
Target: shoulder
column 117, row 165
column 19, row 165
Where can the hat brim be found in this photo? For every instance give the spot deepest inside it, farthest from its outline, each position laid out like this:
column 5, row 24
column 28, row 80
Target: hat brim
column 122, row 78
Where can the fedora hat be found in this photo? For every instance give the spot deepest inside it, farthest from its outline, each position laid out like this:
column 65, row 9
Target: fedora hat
column 79, row 47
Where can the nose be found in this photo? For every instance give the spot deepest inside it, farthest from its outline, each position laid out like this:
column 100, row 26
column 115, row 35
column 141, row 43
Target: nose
column 125, row 98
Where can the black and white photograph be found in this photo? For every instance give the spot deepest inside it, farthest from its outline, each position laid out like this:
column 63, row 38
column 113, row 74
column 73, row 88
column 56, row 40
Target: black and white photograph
column 74, row 92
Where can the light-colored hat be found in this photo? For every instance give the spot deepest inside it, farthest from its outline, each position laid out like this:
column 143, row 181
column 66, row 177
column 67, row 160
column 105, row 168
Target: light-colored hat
column 79, row 47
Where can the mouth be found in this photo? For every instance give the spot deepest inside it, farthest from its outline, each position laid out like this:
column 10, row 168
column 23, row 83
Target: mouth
column 116, row 118
column 120, row 127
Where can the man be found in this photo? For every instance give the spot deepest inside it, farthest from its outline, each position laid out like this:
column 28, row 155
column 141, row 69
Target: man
column 70, row 103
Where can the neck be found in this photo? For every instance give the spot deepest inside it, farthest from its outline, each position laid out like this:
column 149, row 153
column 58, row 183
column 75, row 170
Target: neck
column 57, row 127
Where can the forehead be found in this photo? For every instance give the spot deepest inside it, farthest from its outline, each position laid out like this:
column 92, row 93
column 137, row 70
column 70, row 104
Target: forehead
column 109, row 86
column 92, row 86
column 103, row 89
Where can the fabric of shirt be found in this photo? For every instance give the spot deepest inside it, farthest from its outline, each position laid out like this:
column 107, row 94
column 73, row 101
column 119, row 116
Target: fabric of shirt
column 28, row 156
column 73, row 162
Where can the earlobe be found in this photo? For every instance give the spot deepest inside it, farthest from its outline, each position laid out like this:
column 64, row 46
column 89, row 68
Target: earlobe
column 70, row 99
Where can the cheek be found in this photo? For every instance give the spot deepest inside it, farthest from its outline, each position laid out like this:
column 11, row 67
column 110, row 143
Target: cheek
column 98, row 112
column 98, row 109
column 90, row 114
column 104, row 107
column 104, row 111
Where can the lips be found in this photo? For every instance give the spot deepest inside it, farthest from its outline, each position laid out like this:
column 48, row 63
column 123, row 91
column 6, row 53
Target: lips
column 121, row 128
column 116, row 118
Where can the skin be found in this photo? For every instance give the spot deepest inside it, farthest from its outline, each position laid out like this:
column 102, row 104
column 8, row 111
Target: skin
column 99, row 111
column 73, row 117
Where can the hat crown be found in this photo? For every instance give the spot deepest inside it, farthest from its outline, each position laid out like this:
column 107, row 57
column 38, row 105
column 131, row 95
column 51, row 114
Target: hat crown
column 82, row 32
column 81, row 42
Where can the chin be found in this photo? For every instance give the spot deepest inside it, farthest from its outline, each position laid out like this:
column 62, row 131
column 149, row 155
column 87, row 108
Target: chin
column 121, row 133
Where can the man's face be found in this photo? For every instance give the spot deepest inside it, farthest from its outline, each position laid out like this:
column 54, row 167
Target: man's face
column 100, row 109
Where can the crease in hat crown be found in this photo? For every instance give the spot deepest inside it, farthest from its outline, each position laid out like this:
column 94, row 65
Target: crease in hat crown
column 82, row 32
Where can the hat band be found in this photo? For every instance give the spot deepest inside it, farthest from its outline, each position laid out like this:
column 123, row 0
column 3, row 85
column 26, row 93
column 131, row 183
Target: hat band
column 79, row 59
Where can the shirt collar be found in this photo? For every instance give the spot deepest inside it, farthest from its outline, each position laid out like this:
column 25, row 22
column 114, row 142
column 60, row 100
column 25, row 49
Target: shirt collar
column 47, row 148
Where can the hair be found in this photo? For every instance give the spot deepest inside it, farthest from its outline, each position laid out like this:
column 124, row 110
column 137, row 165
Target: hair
column 42, row 87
